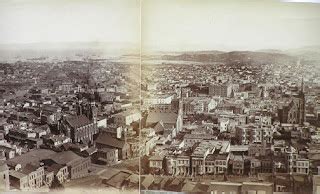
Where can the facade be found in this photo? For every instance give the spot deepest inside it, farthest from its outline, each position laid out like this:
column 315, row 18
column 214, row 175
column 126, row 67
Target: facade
column 191, row 139
column 316, row 184
column 293, row 111
column 19, row 180
column 238, row 165
column 209, row 157
column 246, row 134
column 127, row 117
column 59, row 171
column 198, row 105
column 78, row 167
column 172, row 122
column 162, row 99
column 156, row 163
column 29, row 177
column 220, row 89
column 179, row 165
column 108, row 155
column 104, row 140
column 4, row 177
column 79, row 128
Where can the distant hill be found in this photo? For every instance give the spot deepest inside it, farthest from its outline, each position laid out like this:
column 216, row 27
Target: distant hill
column 234, row 57
column 310, row 52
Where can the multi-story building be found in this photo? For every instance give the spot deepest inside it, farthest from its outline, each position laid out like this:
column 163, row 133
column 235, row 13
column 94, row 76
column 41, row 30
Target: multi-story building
column 220, row 89
column 18, row 180
column 198, row 105
column 160, row 99
column 78, row 167
column 172, row 121
column 191, row 139
column 293, row 109
column 238, row 164
column 4, row 177
column 221, row 163
column 59, row 171
column 178, row 164
column 28, row 177
column 127, row 117
column 246, row 134
column 108, row 155
column 79, row 128
column 301, row 166
column 218, row 157
column 156, row 163
column 104, row 140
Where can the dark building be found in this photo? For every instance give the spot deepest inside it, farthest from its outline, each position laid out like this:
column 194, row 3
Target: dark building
column 79, row 128
column 105, row 140
column 221, row 89
column 78, row 166
column 293, row 111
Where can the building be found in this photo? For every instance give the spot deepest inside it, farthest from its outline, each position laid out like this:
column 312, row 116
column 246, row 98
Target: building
column 171, row 121
column 246, row 134
column 301, row 166
column 191, row 139
column 28, row 177
column 18, row 180
column 178, row 164
column 198, row 105
column 59, row 171
column 127, row 117
column 316, row 184
column 156, row 163
column 293, row 110
column 240, row 188
column 224, row 124
column 217, row 153
column 79, row 128
column 160, row 99
column 105, row 140
column 4, row 177
column 108, row 155
column 220, row 89
column 238, row 164
column 78, row 166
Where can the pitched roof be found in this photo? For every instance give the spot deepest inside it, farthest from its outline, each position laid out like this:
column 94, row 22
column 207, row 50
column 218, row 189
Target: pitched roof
column 159, row 127
column 66, row 157
column 32, row 157
column 54, row 168
column 78, row 121
column 17, row 174
column 147, row 181
column 165, row 117
column 29, row 168
column 107, row 140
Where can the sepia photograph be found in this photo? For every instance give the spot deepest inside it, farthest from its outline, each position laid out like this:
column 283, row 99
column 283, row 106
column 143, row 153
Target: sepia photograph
column 160, row 96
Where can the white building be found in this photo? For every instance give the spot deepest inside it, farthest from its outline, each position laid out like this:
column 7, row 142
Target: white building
column 127, row 117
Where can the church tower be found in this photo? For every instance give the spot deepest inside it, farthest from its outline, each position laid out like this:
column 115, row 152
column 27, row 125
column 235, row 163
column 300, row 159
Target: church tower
column 302, row 104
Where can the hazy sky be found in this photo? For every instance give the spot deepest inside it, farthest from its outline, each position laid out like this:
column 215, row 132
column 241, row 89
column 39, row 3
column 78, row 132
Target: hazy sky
column 30, row 21
column 166, row 24
column 226, row 24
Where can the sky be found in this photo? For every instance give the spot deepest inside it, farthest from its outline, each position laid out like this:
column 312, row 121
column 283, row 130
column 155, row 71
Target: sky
column 166, row 25
column 229, row 25
column 55, row 21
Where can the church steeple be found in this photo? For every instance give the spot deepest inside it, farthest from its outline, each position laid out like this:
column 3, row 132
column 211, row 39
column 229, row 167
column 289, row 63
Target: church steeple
column 302, row 86
column 302, row 103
